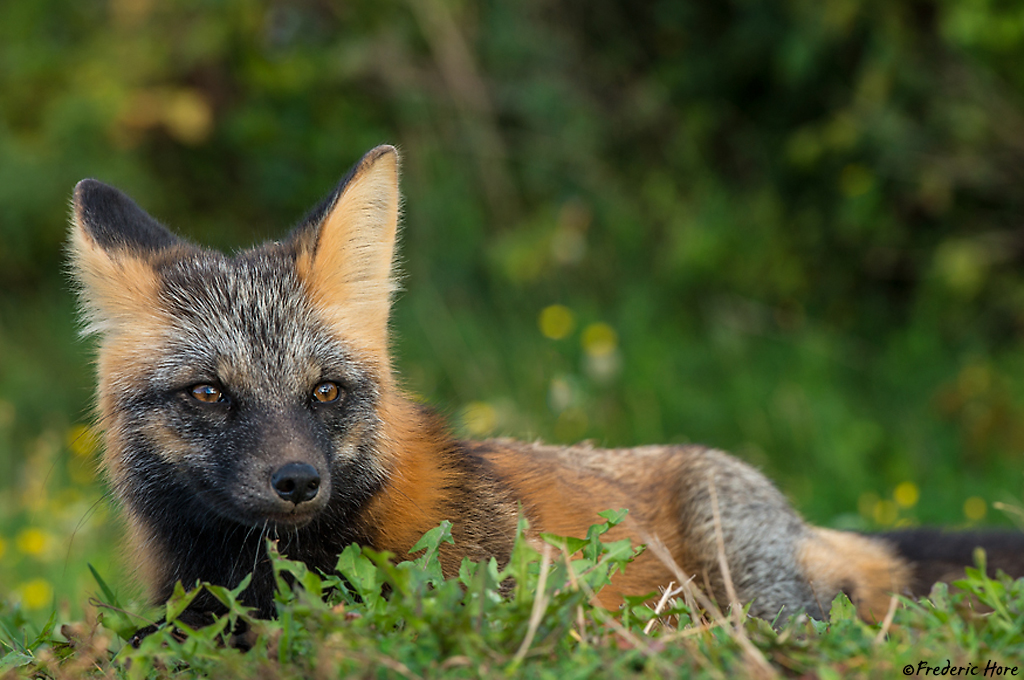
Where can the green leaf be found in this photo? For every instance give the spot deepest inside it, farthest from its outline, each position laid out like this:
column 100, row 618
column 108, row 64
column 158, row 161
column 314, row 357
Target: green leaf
column 431, row 542
column 360, row 572
column 468, row 571
column 179, row 601
column 15, row 659
column 229, row 596
column 108, row 594
column 518, row 567
column 313, row 585
column 571, row 545
column 44, row 634
column 614, row 517
column 619, row 552
column 842, row 609
column 122, row 624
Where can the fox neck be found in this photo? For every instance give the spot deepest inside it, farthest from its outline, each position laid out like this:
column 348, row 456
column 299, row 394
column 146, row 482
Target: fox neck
column 420, row 471
column 433, row 477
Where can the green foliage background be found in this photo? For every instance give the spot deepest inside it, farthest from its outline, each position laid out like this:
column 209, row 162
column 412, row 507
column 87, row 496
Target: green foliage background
column 787, row 229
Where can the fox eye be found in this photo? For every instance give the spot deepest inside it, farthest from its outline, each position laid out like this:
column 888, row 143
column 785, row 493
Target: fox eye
column 327, row 392
column 209, row 394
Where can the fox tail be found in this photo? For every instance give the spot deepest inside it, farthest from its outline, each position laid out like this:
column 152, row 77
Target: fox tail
column 938, row 555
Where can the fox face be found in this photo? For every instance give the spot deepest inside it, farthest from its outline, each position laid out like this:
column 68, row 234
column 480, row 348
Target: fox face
column 254, row 408
column 242, row 396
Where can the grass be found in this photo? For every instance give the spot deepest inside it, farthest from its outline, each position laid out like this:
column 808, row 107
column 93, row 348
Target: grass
column 343, row 625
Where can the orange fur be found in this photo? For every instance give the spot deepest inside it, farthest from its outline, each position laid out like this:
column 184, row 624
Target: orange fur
column 565, row 500
column 841, row 560
column 410, row 504
column 149, row 563
column 123, row 305
column 123, row 290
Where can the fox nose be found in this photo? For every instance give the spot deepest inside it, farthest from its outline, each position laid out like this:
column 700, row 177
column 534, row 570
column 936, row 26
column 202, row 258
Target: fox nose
column 296, row 482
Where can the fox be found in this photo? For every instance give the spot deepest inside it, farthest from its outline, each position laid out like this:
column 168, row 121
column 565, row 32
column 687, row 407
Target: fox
column 253, row 395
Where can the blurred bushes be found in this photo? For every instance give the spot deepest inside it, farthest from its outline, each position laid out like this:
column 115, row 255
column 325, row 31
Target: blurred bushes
column 790, row 229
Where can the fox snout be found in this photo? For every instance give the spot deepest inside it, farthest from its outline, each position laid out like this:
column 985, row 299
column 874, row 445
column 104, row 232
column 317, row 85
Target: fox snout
column 277, row 471
column 296, row 482
column 285, row 479
column 289, row 494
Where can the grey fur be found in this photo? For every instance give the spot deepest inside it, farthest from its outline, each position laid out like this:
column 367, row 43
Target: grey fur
column 761, row 532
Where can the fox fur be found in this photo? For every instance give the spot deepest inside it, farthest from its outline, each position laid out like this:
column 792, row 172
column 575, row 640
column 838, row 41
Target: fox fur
column 210, row 372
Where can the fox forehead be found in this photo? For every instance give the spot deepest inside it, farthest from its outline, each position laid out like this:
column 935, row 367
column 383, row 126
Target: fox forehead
column 246, row 321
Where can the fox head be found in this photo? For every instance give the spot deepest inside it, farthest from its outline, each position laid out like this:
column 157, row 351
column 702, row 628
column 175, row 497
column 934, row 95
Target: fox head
column 246, row 390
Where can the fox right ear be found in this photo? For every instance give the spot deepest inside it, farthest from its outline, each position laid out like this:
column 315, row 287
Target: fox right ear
column 112, row 240
column 345, row 253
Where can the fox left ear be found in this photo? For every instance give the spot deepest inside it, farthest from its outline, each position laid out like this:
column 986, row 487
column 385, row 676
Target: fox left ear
column 345, row 254
column 112, row 242
column 112, row 221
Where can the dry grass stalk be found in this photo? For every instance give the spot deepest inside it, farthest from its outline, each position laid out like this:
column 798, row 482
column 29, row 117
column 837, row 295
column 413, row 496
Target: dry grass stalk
column 887, row 621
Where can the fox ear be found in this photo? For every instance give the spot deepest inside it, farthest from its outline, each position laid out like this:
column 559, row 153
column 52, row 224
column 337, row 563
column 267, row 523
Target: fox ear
column 112, row 221
column 345, row 251
column 112, row 241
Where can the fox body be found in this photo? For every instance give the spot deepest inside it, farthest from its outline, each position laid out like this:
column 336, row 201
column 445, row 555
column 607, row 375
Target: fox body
column 252, row 395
